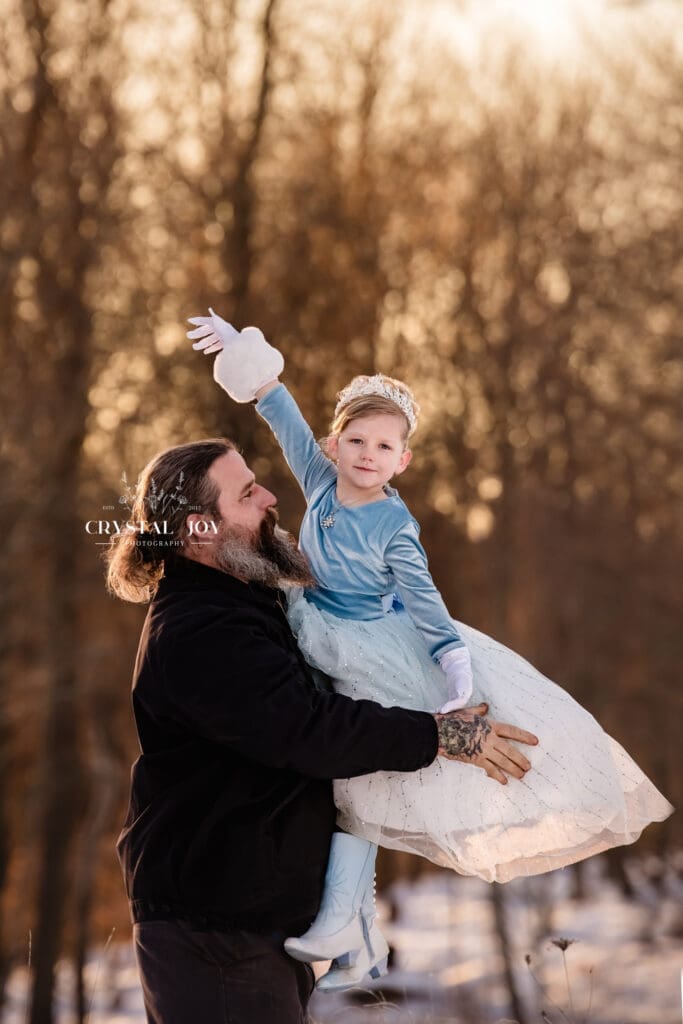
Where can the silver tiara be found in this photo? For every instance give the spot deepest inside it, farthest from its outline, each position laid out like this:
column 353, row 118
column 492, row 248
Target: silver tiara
column 377, row 385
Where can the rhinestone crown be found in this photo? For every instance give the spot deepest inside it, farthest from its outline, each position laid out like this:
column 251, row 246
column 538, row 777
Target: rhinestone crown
column 378, row 385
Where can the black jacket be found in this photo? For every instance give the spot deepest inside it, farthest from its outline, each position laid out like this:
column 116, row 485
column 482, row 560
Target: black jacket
column 231, row 808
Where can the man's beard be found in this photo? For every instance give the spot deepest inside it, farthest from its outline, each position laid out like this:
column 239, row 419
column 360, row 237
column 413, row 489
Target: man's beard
column 270, row 556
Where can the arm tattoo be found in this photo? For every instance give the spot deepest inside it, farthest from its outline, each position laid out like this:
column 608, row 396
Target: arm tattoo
column 462, row 738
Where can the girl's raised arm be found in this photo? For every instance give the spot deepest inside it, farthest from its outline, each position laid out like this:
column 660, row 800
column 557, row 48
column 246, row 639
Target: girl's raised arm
column 304, row 455
column 248, row 368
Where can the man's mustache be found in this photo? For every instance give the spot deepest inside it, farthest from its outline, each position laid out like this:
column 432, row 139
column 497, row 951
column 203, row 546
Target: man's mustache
column 269, row 524
column 272, row 515
column 267, row 555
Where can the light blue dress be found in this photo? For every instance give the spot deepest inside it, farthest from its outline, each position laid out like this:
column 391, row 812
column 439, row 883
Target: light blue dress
column 377, row 625
column 368, row 553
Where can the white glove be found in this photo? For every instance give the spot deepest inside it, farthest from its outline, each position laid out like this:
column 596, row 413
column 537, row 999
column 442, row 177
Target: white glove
column 213, row 331
column 245, row 361
column 458, row 668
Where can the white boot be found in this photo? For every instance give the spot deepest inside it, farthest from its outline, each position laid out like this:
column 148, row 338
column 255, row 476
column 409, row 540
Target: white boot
column 337, row 930
column 345, row 973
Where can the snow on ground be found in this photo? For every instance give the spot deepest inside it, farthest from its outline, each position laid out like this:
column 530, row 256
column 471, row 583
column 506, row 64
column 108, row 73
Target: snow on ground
column 448, row 964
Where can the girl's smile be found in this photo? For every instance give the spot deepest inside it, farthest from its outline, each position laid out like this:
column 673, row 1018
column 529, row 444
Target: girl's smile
column 368, row 452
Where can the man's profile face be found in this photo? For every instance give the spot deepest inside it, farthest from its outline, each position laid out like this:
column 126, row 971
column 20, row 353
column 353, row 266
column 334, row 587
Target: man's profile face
column 247, row 542
column 242, row 503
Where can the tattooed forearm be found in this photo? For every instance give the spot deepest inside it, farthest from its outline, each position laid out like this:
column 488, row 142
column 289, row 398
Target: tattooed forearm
column 462, row 737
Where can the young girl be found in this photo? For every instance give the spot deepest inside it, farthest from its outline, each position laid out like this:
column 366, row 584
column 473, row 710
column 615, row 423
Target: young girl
column 379, row 628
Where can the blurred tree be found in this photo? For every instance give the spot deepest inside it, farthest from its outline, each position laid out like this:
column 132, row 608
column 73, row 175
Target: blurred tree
column 59, row 148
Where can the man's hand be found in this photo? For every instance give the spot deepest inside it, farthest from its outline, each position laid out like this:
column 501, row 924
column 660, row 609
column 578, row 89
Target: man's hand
column 467, row 736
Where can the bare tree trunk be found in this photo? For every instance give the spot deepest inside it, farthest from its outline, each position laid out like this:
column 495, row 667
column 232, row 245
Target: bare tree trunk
column 63, row 286
column 4, row 820
column 516, row 1005
column 6, row 519
column 61, row 771
column 104, row 770
column 61, row 778
column 240, row 240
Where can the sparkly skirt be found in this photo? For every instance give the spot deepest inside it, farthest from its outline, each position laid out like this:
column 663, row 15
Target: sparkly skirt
column 583, row 794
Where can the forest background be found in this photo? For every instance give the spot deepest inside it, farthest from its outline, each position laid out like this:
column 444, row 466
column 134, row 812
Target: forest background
column 485, row 203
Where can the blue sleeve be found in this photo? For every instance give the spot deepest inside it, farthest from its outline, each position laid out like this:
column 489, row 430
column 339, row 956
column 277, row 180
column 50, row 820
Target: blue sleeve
column 407, row 560
column 304, row 455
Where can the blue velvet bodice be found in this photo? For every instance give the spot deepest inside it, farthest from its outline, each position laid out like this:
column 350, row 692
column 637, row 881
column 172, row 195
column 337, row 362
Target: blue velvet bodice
column 371, row 553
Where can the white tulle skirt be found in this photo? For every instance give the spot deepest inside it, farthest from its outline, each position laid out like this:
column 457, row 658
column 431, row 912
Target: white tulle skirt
column 583, row 794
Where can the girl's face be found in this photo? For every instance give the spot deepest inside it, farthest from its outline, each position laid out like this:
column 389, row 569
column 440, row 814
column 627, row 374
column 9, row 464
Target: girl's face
column 370, row 451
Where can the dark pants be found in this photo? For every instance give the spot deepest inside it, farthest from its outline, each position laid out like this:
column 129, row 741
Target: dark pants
column 206, row 977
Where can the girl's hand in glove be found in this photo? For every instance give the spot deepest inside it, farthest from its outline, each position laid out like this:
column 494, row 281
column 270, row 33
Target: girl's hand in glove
column 458, row 668
column 213, row 331
column 245, row 362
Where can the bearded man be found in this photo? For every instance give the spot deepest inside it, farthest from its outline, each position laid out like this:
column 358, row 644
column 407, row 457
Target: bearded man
column 225, row 845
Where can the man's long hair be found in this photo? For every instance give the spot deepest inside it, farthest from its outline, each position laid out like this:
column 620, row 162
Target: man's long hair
column 173, row 484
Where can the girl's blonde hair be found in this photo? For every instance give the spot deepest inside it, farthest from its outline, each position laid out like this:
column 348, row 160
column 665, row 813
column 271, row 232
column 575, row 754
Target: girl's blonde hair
column 371, row 404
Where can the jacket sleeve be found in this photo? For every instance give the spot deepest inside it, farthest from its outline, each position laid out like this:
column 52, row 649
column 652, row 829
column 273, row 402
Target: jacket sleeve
column 407, row 560
column 304, row 455
column 234, row 685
